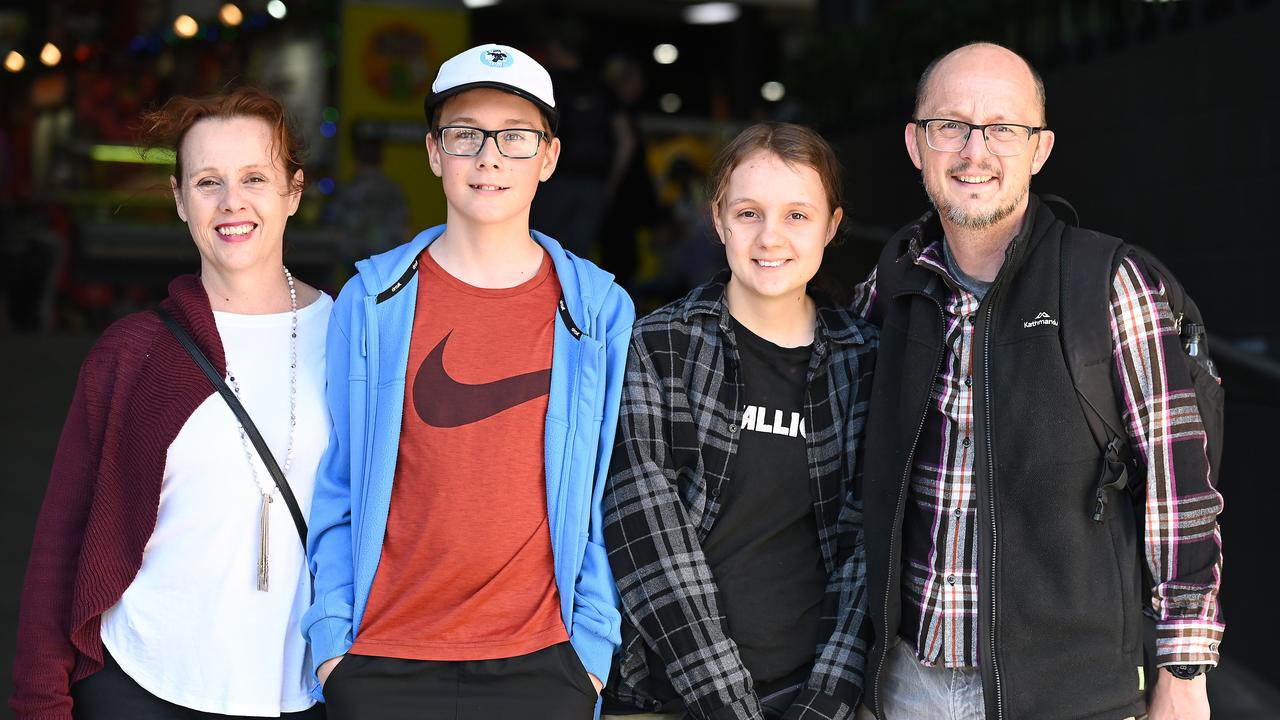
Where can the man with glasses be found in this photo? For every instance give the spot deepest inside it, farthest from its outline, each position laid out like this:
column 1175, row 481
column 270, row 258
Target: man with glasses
column 997, row 589
column 474, row 376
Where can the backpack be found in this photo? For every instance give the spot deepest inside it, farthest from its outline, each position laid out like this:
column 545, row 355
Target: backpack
column 1089, row 263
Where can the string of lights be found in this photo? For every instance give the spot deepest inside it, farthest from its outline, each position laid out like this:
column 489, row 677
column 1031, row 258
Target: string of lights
column 230, row 22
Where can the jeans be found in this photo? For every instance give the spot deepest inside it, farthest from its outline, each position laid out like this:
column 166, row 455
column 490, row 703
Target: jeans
column 911, row 691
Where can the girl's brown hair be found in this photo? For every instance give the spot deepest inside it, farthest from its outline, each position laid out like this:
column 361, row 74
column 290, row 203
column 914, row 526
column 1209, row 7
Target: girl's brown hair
column 166, row 127
column 793, row 144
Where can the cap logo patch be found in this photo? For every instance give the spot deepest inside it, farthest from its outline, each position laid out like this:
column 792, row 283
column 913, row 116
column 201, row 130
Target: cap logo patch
column 496, row 58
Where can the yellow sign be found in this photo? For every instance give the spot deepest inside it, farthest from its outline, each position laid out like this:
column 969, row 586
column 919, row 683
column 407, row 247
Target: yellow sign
column 390, row 55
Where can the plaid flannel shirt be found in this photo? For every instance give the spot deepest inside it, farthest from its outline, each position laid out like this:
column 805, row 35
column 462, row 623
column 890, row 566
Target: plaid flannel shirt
column 1164, row 425
column 678, row 434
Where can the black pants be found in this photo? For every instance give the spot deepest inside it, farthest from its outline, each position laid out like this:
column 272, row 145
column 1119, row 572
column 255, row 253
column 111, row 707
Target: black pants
column 549, row 684
column 110, row 694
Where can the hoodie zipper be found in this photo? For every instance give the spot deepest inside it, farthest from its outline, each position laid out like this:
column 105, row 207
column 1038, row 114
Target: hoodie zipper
column 896, row 535
column 370, row 395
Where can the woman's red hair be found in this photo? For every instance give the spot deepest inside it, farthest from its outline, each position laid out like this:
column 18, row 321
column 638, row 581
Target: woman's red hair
column 167, row 126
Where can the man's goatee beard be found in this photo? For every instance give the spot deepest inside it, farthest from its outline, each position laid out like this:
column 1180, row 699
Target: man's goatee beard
column 959, row 218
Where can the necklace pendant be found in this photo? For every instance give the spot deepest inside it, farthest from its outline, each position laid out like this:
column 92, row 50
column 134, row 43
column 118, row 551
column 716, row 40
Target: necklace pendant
column 264, row 542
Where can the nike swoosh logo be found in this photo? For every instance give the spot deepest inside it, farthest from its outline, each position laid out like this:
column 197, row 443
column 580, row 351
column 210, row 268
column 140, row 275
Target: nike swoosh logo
column 444, row 402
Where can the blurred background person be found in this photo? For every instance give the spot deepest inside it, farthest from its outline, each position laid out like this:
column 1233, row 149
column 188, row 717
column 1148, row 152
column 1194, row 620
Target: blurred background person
column 685, row 248
column 155, row 587
column 570, row 205
column 631, row 200
column 369, row 214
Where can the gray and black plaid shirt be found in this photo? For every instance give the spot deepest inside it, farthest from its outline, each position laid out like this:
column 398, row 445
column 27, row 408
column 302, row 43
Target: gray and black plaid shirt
column 677, row 438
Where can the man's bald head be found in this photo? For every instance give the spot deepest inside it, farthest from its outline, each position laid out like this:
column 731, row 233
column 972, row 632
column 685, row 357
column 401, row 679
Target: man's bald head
column 988, row 55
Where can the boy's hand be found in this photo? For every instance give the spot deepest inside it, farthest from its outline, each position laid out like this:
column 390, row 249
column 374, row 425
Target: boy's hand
column 326, row 667
column 595, row 682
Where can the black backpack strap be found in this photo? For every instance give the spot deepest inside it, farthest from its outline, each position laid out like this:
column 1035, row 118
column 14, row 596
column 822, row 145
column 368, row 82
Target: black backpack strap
column 246, row 422
column 1190, row 325
column 1089, row 260
column 1089, row 264
column 1063, row 210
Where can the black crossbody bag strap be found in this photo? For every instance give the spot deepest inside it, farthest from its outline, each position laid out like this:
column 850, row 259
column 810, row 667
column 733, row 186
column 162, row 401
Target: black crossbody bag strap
column 249, row 428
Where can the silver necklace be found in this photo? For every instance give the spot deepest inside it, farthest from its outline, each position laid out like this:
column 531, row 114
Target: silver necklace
column 268, row 488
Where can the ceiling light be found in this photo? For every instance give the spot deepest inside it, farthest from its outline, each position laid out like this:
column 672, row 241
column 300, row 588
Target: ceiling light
column 50, row 54
column 669, row 103
column 665, row 54
column 277, row 10
column 131, row 154
column 185, row 26
column 773, row 91
column 712, row 13
column 14, row 62
column 230, row 15
column 473, row 4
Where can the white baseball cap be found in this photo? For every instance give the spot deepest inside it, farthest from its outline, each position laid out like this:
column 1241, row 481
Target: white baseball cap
column 494, row 66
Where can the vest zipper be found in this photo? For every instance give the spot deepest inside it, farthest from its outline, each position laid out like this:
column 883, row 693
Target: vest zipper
column 991, row 500
column 991, row 465
column 902, row 494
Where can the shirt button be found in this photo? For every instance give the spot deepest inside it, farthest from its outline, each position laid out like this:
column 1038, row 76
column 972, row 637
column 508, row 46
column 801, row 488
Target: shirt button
column 951, row 579
column 968, row 381
column 957, row 512
column 971, row 319
column 715, row 492
column 733, row 429
column 966, row 442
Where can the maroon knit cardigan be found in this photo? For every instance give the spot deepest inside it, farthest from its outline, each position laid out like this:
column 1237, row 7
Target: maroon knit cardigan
column 137, row 388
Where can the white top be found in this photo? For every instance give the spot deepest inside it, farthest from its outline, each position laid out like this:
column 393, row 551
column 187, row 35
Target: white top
column 193, row 628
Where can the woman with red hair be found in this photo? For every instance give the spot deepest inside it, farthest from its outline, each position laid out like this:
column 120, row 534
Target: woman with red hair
column 156, row 587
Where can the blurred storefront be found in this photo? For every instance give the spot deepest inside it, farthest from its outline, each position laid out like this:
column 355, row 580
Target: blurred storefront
column 88, row 229
column 88, row 226
column 88, row 221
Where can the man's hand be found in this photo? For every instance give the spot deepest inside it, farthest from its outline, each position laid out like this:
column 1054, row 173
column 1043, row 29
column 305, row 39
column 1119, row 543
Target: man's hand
column 327, row 667
column 595, row 682
column 1174, row 699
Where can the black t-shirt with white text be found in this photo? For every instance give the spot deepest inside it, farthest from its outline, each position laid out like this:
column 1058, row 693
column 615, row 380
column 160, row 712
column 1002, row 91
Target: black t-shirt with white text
column 763, row 549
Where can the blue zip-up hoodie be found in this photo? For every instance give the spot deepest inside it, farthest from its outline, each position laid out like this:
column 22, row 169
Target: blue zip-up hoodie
column 368, row 355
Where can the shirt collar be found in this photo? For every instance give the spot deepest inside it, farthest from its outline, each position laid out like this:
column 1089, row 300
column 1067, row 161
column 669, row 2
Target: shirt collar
column 835, row 324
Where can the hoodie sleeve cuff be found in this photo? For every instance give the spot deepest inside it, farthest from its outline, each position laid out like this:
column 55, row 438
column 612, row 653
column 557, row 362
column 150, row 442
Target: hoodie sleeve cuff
column 329, row 638
column 595, row 652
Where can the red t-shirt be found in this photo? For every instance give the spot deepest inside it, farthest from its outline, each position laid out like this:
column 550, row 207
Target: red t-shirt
column 466, row 571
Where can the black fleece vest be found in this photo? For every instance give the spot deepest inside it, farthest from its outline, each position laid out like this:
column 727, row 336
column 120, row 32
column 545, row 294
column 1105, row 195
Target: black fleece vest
column 1059, row 610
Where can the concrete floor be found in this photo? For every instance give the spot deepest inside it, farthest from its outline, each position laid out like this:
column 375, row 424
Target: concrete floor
column 39, row 374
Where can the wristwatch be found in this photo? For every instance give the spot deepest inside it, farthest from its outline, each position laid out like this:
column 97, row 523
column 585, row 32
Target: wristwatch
column 1186, row 672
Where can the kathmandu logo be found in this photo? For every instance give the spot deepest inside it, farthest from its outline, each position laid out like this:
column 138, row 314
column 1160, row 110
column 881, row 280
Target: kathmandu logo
column 1041, row 319
column 496, row 58
column 444, row 402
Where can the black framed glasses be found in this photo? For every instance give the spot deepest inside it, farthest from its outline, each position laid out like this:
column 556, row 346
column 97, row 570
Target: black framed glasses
column 1003, row 139
column 466, row 141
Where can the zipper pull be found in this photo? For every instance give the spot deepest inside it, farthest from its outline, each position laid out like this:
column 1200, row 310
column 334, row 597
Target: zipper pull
column 1099, row 505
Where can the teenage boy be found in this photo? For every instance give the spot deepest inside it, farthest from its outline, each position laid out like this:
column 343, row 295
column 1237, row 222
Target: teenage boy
column 474, row 378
